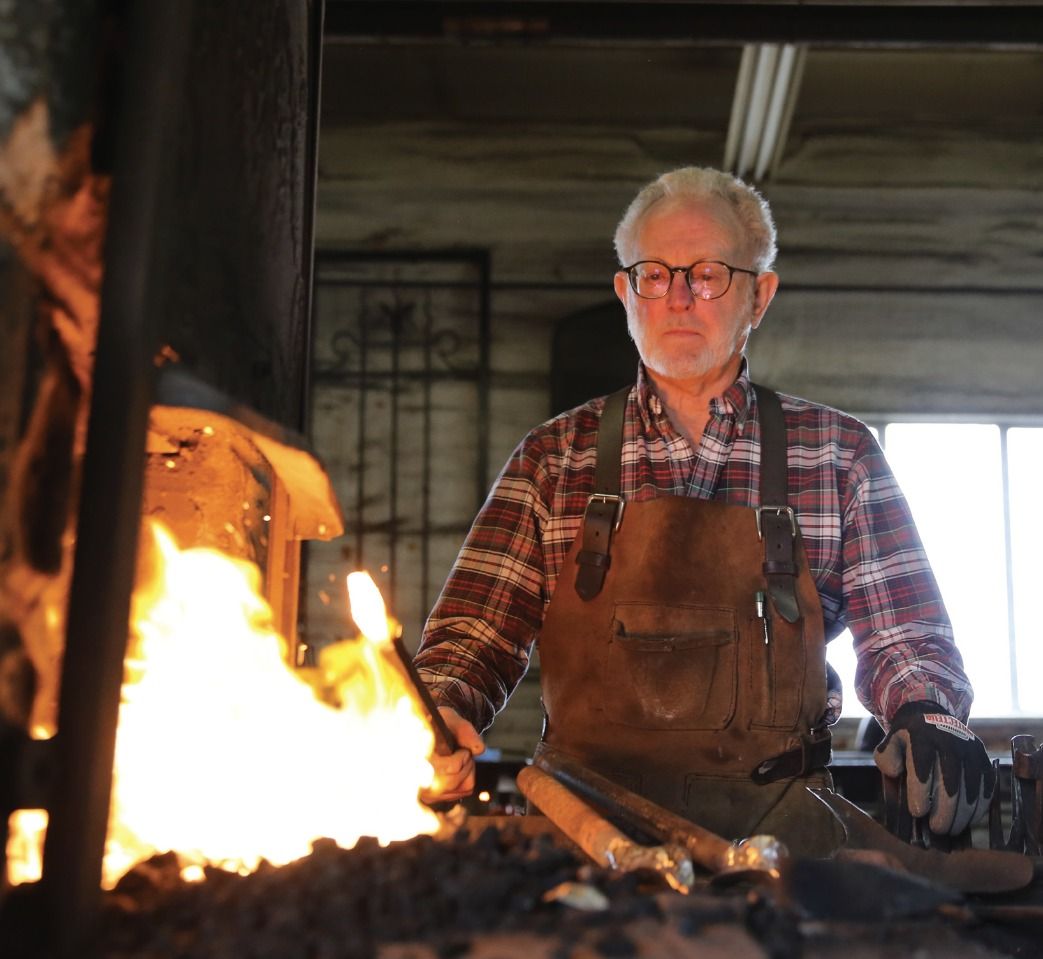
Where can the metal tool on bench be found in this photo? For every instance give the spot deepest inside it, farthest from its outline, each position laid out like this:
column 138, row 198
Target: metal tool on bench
column 598, row 838
column 911, row 829
column 759, row 854
column 968, row 870
column 1026, row 796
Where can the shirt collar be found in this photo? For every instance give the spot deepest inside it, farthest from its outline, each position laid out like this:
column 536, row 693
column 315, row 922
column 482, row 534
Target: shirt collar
column 734, row 401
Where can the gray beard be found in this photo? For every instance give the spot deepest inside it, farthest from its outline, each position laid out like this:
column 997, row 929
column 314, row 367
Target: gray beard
column 692, row 364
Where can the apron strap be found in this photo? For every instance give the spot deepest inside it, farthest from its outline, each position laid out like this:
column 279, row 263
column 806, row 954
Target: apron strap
column 776, row 522
column 777, row 527
column 604, row 510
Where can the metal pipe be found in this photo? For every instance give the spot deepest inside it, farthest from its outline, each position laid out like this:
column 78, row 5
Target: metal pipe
column 113, row 476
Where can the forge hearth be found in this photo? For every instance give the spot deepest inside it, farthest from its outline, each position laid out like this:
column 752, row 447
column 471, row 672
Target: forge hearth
column 515, row 888
column 483, row 891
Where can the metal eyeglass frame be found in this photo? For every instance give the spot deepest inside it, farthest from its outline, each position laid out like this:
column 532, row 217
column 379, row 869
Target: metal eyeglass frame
column 687, row 271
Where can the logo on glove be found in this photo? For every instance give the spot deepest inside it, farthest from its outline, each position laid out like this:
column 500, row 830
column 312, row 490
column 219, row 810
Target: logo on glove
column 948, row 724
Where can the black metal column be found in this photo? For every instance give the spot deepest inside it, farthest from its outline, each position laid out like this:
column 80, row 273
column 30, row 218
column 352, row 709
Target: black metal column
column 110, row 514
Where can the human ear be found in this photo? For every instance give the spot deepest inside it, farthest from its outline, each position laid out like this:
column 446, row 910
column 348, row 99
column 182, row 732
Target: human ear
column 621, row 284
column 765, row 285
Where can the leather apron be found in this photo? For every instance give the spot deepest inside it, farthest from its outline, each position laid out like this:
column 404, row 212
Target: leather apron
column 693, row 672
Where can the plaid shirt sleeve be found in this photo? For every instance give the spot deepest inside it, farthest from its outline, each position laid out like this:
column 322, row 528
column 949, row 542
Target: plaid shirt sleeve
column 477, row 640
column 891, row 602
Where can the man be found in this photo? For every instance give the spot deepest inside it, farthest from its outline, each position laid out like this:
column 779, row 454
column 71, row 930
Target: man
column 682, row 551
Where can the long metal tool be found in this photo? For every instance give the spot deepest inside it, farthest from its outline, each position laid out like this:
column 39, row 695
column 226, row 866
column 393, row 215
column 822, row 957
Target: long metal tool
column 761, row 854
column 445, row 741
column 597, row 837
column 968, row 870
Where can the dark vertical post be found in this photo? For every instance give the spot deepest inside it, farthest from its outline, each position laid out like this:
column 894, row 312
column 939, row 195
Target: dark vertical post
column 484, row 374
column 311, row 176
column 397, row 317
column 316, row 26
column 110, row 513
column 425, row 475
column 364, row 381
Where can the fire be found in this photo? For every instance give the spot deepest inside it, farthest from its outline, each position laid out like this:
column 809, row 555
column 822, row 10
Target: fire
column 367, row 609
column 227, row 756
column 25, row 844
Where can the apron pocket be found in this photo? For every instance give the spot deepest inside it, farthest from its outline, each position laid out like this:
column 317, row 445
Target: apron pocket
column 672, row 667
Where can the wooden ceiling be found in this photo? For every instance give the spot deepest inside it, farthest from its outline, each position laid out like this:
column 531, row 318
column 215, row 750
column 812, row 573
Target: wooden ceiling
column 916, row 72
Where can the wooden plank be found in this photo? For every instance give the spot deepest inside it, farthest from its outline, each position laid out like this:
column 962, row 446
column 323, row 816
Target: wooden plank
column 938, row 353
column 855, row 209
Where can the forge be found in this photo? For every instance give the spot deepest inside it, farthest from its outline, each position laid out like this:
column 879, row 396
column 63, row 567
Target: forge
column 159, row 328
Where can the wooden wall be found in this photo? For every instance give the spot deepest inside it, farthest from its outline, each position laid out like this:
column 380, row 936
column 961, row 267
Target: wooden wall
column 911, row 239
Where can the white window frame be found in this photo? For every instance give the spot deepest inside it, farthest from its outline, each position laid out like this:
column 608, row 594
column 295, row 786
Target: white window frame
column 880, row 424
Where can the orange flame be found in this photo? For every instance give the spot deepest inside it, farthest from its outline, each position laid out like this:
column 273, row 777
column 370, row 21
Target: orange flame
column 367, row 609
column 228, row 757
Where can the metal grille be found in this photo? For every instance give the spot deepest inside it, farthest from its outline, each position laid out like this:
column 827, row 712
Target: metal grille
column 400, row 415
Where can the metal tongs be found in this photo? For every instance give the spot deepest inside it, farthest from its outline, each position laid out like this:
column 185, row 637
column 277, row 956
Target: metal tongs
column 682, row 842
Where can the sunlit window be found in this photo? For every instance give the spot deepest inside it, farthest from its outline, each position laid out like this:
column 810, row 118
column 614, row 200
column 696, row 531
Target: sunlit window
column 1025, row 464
column 971, row 490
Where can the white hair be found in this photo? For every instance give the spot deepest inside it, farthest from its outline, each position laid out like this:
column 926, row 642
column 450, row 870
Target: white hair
column 696, row 184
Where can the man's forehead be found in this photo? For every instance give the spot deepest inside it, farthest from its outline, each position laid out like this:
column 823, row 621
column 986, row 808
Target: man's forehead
column 710, row 218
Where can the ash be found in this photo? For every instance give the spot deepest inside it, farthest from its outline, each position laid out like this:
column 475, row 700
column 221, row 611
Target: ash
column 347, row 903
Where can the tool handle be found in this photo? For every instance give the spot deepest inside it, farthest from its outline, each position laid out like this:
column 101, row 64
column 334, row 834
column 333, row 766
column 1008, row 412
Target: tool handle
column 599, row 838
column 594, row 834
column 704, row 847
column 445, row 742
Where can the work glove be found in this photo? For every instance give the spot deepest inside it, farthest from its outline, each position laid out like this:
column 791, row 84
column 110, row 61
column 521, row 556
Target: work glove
column 948, row 773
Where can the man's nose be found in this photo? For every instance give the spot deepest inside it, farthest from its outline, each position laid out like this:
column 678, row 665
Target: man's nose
column 680, row 295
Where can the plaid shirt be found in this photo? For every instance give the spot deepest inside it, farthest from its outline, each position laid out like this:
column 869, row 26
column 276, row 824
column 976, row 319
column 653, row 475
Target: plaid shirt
column 863, row 549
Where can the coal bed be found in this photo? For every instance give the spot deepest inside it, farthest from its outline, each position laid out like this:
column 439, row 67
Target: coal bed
column 508, row 887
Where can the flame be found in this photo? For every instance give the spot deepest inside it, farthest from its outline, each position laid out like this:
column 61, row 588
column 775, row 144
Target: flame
column 227, row 756
column 26, row 830
column 367, row 609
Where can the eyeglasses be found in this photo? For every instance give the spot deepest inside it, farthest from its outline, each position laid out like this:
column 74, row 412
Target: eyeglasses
column 707, row 279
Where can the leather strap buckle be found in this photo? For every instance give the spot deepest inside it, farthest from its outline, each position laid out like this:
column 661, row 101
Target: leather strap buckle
column 814, row 752
column 608, row 499
column 776, row 511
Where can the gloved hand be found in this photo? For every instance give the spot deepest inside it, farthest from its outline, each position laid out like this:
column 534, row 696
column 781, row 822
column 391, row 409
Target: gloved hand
column 948, row 773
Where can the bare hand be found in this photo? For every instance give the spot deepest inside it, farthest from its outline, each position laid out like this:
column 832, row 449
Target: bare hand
column 454, row 774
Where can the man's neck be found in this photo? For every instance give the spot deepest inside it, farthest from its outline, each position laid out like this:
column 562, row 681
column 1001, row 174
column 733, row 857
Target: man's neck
column 687, row 400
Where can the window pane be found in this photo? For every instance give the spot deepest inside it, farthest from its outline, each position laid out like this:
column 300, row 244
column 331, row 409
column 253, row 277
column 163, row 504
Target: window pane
column 1025, row 464
column 841, row 656
column 952, row 476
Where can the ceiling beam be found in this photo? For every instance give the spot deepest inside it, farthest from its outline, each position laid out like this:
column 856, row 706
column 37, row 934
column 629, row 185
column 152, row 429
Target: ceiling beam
column 970, row 25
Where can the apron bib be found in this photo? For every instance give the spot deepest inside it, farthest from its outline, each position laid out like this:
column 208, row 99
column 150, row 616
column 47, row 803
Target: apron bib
column 694, row 670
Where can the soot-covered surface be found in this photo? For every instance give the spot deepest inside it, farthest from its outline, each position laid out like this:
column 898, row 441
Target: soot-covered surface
column 503, row 891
